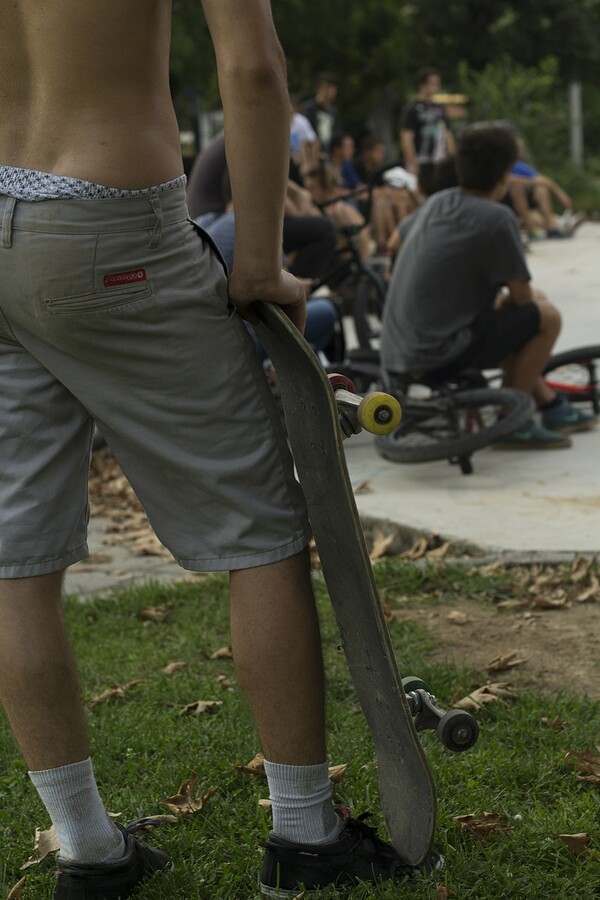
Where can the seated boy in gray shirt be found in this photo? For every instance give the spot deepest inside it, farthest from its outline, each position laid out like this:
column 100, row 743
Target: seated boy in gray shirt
column 460, row 294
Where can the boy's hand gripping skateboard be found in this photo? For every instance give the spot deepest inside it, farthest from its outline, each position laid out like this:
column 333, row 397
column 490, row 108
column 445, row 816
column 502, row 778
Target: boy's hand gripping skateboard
column 317, row 418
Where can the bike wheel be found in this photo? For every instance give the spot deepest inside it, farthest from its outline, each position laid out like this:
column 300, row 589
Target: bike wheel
column 454, row 425
column 575, row 374
column 367, row 307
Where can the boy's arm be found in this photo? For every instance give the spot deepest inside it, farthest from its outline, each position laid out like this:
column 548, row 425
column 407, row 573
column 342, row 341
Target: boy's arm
column 253, row 87
column 409, row 154
column 519, row 293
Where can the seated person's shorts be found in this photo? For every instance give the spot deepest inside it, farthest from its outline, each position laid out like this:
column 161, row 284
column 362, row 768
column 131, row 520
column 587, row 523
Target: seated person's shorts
column 116, row 309
column 495, row 335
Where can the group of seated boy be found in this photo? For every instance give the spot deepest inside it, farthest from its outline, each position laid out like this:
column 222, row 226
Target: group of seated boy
column 459, row 295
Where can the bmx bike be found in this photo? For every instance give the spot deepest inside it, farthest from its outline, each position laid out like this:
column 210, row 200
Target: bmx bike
column 453, row 419
column 575, row 373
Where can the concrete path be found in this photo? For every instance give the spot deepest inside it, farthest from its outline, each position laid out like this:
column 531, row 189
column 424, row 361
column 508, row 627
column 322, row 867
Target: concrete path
column 516, row 501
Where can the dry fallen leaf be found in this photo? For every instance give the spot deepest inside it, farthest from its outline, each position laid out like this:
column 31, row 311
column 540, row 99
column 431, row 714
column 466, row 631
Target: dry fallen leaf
column 457, row 617
column 418, row 549
column 115, row 692
column 388, row 612
column 225, row 682
column 587, row 762
column 558, row 599
column 45, row 842
column 184, row 802
column 363, row 488
column 582, row 567
column 575, row 843
column 592, row 592
column 174, row 667
column 381, row 544
column 265, row 804
column 441, row 551
column 505, row 661
column 488, row 693
column 155, row 613
column 337, row 773
column 17, row 891
column 442, row 892
column 201, row 706
column 489, row 569
column 148, row 823
column 557, row 724
column 255, row 767
column 222, row 653
column 513, row 604
column 484, row 824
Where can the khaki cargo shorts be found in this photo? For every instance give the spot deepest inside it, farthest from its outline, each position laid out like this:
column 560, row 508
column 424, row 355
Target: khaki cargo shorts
column 117, row 309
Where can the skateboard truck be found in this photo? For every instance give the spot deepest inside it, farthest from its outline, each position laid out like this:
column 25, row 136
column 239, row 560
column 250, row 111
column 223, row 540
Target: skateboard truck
column 457, row 730
column 378, row 413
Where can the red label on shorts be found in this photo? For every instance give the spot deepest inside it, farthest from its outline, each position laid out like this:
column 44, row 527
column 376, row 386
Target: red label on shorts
column 131, row 277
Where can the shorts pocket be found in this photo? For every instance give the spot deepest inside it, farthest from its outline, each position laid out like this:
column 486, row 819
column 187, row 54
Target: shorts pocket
column 97, row 301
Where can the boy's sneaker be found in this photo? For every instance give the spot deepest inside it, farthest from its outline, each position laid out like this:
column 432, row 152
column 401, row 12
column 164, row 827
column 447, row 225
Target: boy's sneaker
column 532, row 436
column 112, row 880
column 565, row 418
column 538, row 234
column 358, row 855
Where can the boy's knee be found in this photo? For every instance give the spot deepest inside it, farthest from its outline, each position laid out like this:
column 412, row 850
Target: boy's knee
column 550, row 317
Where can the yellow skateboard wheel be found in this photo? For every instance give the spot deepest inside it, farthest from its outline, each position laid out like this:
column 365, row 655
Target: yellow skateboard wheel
column 379, row 413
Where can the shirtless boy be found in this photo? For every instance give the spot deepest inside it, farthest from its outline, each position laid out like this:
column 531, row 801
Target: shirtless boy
column 112, row 307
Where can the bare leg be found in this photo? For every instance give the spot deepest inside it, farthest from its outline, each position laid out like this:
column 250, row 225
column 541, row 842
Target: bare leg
column 524, row 368
column 518, row 197
column 277, row 652
column 544, row 204
column 382, row 219
column 38, row 682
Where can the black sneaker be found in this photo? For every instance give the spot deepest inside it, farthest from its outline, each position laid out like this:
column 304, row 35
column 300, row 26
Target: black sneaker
column 358, row 855
column 112, row 880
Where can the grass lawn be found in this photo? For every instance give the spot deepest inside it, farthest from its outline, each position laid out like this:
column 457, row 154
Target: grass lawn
column 144, row 749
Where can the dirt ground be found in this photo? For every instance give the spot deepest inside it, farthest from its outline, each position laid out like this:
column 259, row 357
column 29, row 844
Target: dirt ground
column 561, row 646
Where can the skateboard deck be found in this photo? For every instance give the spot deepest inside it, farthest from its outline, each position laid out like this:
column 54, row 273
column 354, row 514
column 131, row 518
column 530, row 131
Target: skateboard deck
column 407, row 789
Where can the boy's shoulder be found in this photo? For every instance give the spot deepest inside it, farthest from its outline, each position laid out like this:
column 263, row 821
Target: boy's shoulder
column 482, row 207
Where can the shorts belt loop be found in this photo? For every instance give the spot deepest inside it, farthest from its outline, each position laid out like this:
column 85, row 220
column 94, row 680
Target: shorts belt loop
column 7, row 218
column 158, row 228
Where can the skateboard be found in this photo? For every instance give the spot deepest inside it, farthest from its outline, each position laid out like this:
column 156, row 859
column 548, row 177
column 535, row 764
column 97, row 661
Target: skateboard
column 319, row 413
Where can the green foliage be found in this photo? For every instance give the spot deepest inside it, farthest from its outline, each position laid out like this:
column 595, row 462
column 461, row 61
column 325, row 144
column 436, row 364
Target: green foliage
column 532, row 99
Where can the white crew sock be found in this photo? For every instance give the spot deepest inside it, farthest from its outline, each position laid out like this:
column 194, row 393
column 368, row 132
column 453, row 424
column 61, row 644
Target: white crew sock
column 302, row 806
column 85, row 831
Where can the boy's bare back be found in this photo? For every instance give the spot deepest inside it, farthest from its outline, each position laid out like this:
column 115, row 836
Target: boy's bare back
column 84, row 90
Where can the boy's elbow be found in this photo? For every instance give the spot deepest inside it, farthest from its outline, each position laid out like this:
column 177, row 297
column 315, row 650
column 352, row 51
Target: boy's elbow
column 256, row 69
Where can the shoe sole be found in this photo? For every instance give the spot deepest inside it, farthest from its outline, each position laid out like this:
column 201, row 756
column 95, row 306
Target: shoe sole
column 273, row 893
column 268, row 893
column 571, row 429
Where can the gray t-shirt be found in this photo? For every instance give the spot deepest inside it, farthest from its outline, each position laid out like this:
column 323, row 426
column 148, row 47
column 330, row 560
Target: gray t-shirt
column 459, row 252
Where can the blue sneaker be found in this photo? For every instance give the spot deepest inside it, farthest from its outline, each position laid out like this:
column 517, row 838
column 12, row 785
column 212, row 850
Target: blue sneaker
column 532, row 436
column 566, row 418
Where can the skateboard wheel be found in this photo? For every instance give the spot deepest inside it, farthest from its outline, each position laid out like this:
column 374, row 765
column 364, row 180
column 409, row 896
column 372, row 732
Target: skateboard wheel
column 342, row 382
column 412, row 683
column 379, row 413
column 457, row 730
